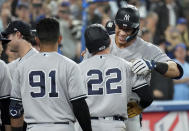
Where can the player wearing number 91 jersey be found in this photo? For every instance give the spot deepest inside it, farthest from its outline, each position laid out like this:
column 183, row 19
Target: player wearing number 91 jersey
column 48, row 88
column 109, row 82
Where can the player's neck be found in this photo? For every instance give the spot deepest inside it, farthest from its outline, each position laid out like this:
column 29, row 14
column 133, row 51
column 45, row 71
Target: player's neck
column 24, row 49
column 106, row 51
column 48, row 47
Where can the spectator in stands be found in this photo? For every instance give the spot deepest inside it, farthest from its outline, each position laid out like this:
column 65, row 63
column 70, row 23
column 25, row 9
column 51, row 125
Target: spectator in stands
column 5, row 18
column 69, row 42
column 146, row 35
column 151, row 23
column 168, row 14
column 53, row 7
column 93, row 17
column 76, row 9
column 182, row 28
column 162, row 86
column 38, row 12
column 22, row 12
column 181, row 87
column 172, row 36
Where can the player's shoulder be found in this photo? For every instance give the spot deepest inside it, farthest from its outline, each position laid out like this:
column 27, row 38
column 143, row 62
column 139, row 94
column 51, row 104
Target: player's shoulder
column 145, row 43
column 66, row 59
column 2, row 64
column 121, row 60
column 14, row 62
column 148, row 46
column 67, row 62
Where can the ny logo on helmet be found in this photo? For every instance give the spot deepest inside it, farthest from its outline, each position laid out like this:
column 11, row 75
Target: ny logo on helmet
column 126, row 17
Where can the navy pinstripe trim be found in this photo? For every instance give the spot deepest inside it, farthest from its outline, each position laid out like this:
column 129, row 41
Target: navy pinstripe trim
column 78, row 97
column 140, row 68
column 16, row 99
column 139, row 86
column 4, row 97
column 136, row 63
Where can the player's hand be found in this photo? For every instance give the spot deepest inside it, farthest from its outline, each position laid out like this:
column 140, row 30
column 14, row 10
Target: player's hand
column 83, row 53
column 133, row 109
column 142, row 67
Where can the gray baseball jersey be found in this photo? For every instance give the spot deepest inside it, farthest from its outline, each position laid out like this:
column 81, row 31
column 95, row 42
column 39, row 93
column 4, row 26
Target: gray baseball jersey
column 139, row 49
column 5, row 82
column 13, row 65
column 46, row 83
column 109, row 81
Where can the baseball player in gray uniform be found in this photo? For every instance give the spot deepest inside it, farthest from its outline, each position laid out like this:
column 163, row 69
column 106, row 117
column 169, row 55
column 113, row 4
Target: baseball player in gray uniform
column 143, row 55
column 109, row 81
column 20, row 35
column 48, row 88
column 5, row 89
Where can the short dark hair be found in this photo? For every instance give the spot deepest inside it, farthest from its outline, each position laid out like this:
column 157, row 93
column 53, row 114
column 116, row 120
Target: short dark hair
column 48, row 30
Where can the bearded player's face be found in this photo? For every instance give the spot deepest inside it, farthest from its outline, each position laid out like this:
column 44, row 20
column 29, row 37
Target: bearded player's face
column 122, row 34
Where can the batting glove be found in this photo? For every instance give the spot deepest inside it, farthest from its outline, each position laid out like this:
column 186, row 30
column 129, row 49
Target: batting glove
column 142, row 67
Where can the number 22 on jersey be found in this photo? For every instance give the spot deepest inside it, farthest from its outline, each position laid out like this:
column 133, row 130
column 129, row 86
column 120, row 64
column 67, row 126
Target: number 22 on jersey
column 41, row 84
column 96, row 78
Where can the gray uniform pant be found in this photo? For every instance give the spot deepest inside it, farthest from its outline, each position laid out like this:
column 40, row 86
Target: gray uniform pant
column 133, row 124
column 105, row 125
column 51, row 127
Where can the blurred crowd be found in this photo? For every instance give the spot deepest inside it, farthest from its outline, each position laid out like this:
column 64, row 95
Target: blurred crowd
column 164, row 23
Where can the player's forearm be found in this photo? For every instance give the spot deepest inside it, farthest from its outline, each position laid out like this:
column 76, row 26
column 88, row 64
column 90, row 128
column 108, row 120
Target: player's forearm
column 174, row 70
column 17, row 123
column 8, row 128
column 16, row 113
column 81, row 111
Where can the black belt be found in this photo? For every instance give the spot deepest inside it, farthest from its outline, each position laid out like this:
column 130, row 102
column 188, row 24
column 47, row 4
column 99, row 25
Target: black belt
column 118, row 118
column 67, row 122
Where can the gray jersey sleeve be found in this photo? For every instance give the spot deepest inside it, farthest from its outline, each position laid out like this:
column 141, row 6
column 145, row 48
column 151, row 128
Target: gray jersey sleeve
column 16, row 91
column 75, row 84
column 5, row 81
column 136, row 82
column 12, row 66
column 158, row 55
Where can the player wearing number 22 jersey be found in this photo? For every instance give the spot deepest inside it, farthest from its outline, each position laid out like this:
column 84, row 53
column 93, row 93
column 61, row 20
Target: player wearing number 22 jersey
column 109, row 82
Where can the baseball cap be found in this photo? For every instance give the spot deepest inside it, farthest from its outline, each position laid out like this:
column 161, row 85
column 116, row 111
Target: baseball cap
column 22, row 5
column 15, row 26
column 182, row 21
column 4, row 40
column 65, row 4
column 182, row 45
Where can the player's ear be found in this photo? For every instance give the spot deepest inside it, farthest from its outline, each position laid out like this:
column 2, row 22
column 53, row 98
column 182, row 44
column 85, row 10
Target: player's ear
column 59, row 39
column 19, row 35
column 37, row 40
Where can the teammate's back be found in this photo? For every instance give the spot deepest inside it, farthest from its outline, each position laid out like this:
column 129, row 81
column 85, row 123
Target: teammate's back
column 109, row 82
column 47, row 85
